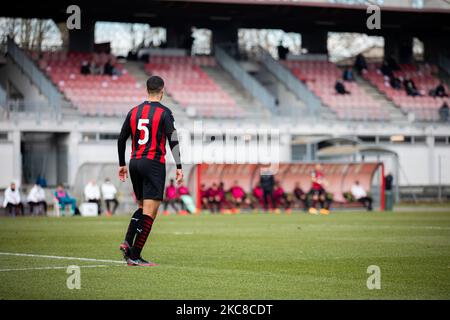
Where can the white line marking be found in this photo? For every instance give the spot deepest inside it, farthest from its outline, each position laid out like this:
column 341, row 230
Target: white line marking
column 58, row 257
column 51, row 268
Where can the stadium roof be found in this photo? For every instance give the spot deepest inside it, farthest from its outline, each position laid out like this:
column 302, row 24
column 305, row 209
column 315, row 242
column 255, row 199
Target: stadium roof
column 289, row 15
column 396, row 5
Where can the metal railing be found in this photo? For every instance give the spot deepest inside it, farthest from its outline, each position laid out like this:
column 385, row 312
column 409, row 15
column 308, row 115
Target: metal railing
column 28, row 67
column 291, row 82
column 247, row 81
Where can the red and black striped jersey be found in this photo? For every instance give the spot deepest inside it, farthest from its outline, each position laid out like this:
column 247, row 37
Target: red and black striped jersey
column 149, row 124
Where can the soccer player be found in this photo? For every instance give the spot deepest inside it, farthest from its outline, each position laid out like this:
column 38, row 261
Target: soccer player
column 318, row 191
column 149, row 124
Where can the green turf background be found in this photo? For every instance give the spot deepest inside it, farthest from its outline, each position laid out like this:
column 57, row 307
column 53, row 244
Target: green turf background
column 246, row 256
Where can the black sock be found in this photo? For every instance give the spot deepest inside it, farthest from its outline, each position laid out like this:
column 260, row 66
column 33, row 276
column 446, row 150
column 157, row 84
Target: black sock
column 143, row 230
column 134, row 222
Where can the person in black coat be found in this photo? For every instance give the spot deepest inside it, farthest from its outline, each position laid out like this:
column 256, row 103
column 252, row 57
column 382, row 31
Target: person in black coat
column 267, row 182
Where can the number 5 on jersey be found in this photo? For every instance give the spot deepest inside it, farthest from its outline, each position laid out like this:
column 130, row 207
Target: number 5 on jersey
column 142, row 126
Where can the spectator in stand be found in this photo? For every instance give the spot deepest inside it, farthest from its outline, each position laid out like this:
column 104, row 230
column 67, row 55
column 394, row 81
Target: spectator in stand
column 36, row 199
column 109, row 193
column 94, row 68
column 171, row 197
column 340, row 88
column 214, row 198
column 12, row 200
column 282, row 51
column 386, row 69
column 439, row 91
column 64, row 199
column 347, row 75
column 92, row 194
column 444, row 112
column 318, row 192
column 360, row 195
column 238, row 196
column 110, row 70
column 395, row 83
column 183, row 191
column 410, row 87
column 360, row 64
column 85, row 68
column 267, row 182
column 281, row 198
column 258, row 194
column 300, row 195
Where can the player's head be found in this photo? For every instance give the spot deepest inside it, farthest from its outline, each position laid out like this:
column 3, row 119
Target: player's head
column 318, row 167
column 13, row 186
column 357, row 182
column 155, row 87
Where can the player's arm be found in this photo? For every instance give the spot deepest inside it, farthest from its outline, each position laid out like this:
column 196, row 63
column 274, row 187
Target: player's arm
column 121, row 147
column 172, row 137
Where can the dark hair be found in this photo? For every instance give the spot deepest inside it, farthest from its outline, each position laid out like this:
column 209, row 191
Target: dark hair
column 155, row 84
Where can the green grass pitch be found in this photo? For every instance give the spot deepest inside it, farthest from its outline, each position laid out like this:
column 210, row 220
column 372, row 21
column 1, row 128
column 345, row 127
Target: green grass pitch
column 246, row 256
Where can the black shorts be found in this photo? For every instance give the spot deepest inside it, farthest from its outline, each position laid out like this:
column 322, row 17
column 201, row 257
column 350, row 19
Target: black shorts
column 318, row 192
column 148, row 178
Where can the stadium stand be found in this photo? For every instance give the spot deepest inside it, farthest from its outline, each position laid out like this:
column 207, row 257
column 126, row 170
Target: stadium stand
column 190, row 86
column 320, row 77
column 91, row 94
column 425, row 108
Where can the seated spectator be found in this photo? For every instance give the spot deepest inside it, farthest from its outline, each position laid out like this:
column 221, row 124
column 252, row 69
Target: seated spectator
column 171, row 197
column 12, row 200
column 395, row 82
column 347, row 75
column 92, row 194
column 238, row 196
column 280, row 198
column 258, row 194
column 64, row 199
column 439, row 91
column 444, row 112
column 386, row 69
column 186, row 201
column 360, row 64
column 85, row 68
column 360, row 195
column 221, row 196
column 214, row 198
column 410, row 88
column 300, row 195
column 109, row 193
column 340, row 88
column 110, row 70
column 204, row 197
column 94, row 68
column 36, row 199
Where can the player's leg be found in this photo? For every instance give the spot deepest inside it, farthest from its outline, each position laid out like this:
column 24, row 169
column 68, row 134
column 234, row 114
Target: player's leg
column 137, row 183
column 153, row 175
column 150, row 210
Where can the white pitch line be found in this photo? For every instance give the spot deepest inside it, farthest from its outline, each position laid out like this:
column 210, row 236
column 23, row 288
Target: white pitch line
column 51, row 268
column 58, row 257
